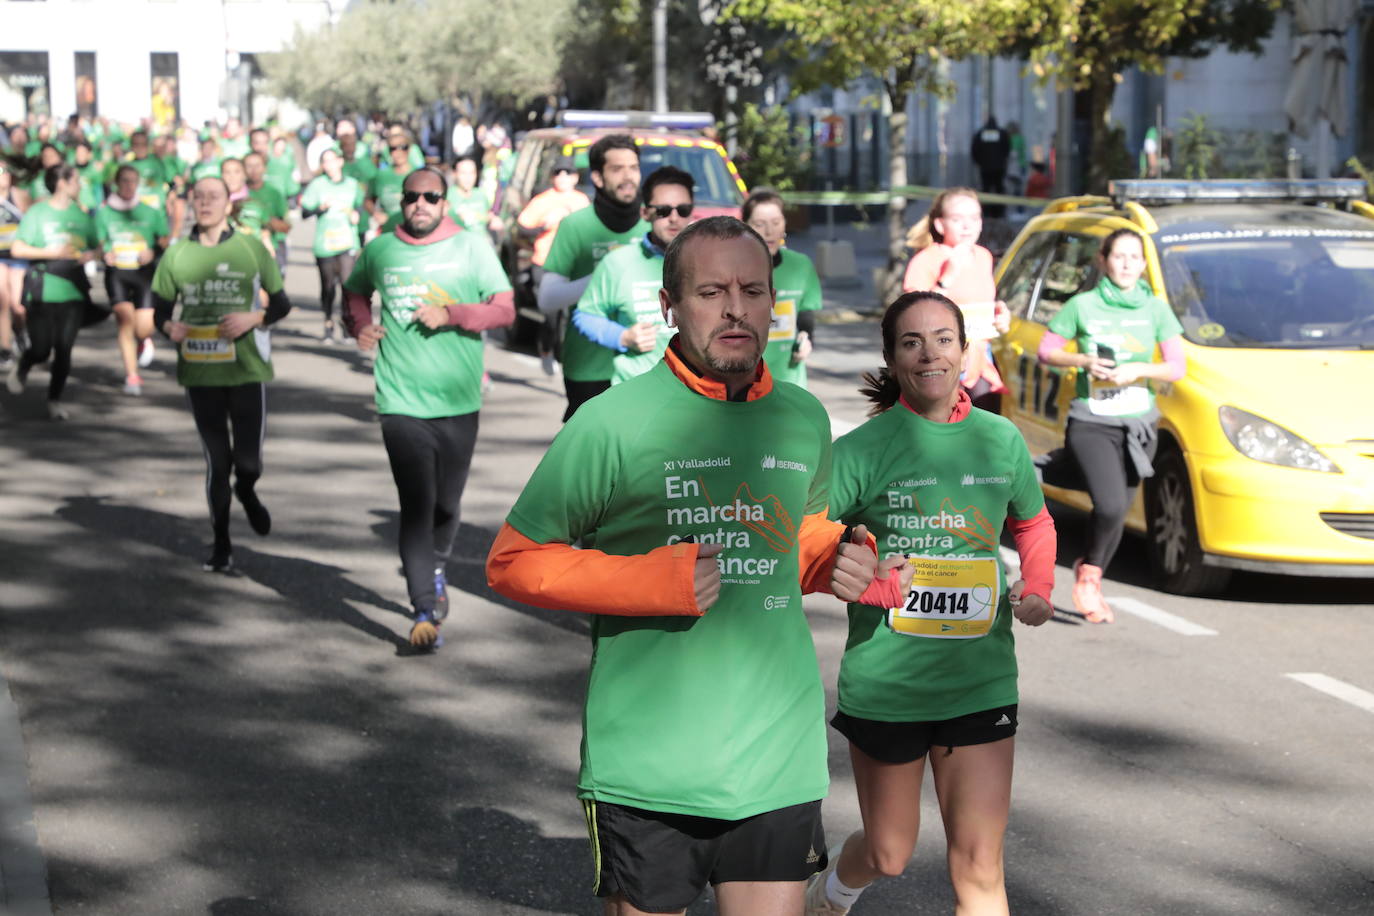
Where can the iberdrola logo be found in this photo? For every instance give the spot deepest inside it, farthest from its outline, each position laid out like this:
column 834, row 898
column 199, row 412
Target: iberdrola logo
column 769, row 462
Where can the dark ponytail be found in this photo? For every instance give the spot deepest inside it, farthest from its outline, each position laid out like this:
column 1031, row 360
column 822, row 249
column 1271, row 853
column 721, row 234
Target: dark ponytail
column 882, row 389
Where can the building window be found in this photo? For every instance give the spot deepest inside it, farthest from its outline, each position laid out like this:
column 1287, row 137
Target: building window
column 87, row 100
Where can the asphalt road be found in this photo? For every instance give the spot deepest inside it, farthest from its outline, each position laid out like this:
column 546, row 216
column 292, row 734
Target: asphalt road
column 261, row 744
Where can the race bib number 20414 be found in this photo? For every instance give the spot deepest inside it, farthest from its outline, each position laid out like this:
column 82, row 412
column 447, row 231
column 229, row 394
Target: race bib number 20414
column 950, row 598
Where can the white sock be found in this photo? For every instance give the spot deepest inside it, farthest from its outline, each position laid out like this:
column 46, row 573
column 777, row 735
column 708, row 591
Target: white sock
column 840, row 893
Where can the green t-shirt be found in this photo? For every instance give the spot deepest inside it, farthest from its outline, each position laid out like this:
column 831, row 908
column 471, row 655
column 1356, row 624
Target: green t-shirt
column 43, row 226
column 361, row 168
column 213, row 281
column 1131, row 334
column 92, row 185
column 579, row 244
column 126, row 233
column 280, row 172
column 471, row 210
column 386, row 190
column 335, row 232
column 720, row 716
column 422, row 372
column 153, row 181
column 236, row 148
column 273, row 207
column 205, row 167
column 175, row 168
column 799, row 290
column 624, row 288
column 936, row 490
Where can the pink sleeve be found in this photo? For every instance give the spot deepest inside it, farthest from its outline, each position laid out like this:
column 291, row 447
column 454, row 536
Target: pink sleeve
column 1172, row 351
column 1037, row 545
column 884, row 592
column 357, row 312
column 497, row 312
column 1048, row 344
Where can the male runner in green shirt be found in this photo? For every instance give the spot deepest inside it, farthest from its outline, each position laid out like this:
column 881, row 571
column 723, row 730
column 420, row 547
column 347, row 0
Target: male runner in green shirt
column 440, row 288
column 582, row 240
column 697, row 492
column 273, row 203
column 619, row 309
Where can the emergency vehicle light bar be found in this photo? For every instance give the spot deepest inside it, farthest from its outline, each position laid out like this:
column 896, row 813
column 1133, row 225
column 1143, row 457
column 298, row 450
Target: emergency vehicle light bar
column 681, row 120
column 1164, row 191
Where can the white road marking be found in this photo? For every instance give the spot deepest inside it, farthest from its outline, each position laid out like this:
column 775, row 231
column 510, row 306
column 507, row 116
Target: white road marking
column 1356, row 697
column 1162, row 618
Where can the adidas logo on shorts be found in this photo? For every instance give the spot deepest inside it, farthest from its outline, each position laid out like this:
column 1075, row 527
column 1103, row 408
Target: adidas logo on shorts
column 812, row 857
column 1005, row 720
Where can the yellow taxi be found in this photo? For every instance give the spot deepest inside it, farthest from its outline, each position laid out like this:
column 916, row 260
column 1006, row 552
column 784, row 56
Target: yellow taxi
column 1266, row 453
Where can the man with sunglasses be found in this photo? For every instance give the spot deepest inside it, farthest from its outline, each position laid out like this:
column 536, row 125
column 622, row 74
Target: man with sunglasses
column 440, row 288
column 582, row 240
column 335, row 199
column 619, row 309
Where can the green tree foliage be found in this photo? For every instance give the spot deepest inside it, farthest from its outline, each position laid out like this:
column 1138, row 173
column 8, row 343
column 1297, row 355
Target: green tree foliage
column 1089, row 44
column 837, row 41
column 772, row 152
column 399, row 56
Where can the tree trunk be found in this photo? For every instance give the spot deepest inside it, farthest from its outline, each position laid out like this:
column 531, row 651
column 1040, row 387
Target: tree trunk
column 1104, row 158
column 891, row 286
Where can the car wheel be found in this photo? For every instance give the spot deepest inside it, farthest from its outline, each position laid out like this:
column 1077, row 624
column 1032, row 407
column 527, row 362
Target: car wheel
column 1175, row 551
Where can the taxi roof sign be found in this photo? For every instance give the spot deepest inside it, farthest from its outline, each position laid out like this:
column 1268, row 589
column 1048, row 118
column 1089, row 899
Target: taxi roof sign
column 679, row 120
column 1165, row 191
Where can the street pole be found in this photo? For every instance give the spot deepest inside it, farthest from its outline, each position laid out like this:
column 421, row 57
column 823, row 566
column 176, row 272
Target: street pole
column 1064, row 178
column 660, row 24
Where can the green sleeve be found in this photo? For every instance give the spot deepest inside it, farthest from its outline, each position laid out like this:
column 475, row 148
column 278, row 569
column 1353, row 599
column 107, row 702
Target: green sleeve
column 811, row 290
column 1065, row 321
column 268, row 272
column 1167, row 325
column 491, row 276
column 160, row 227
column 279, row 210
column 30, row 229
column 89, row 231
column 1026, row 497
column 359, row 195
column 846, row 485
column 571, row 489
column 372, row 190
column 818, row 499
column 360, row 280
column 164, row 284
column 310, row 200
column 102, row 226
column 600, row 295
column 562, row 259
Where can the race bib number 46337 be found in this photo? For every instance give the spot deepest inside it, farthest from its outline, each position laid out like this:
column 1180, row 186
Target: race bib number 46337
column 950, row 598
column 204, row 345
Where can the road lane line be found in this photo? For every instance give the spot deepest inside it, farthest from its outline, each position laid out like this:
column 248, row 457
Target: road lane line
column 1161, row 618
column 1361, row 699
column 23, row 872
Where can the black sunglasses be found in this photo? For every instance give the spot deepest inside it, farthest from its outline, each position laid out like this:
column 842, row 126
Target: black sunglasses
column 565, row 171
column 662, row 210
column 410, row 197
column 404, row 146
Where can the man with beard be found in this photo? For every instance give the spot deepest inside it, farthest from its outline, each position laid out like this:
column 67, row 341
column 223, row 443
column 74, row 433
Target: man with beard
column 698, row 492
column 582, row 240
column 440, row 288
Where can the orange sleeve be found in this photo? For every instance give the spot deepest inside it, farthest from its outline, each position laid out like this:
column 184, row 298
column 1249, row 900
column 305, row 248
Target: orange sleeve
column 818, row 543
column 561, row 577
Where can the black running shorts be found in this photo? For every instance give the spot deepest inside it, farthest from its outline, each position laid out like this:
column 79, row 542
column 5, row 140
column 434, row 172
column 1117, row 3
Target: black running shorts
column 662, row 862
column 134, row 286
column 904, row 742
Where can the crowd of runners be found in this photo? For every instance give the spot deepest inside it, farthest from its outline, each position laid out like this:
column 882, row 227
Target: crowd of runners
column 691, row 498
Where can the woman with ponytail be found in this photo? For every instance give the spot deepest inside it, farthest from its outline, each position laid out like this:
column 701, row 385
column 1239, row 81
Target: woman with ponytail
column 950, row 261
column 932, row 672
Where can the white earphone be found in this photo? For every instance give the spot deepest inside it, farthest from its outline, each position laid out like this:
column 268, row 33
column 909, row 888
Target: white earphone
column 668, row 319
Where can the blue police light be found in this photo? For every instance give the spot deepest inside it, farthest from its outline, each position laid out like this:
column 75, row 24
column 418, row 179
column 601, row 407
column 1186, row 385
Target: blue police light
column 1165, row 191
column 672, row 120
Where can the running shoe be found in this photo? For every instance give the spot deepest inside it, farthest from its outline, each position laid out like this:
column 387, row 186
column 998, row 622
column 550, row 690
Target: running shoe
column 546, row 363
column 817, row 903
column 15, row 380
column 1087, row 594
column 424, row 633
column 6, row 360
column 56, row 411
column 258, row 517
column 328, row 337
column 221, row 559
column 486, row 382
column 440, row 595
column 133, row 384
column 146, row 352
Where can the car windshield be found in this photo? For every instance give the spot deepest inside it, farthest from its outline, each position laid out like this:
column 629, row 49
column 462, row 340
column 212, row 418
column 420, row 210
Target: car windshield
column 715, row 185
column 1281, row 289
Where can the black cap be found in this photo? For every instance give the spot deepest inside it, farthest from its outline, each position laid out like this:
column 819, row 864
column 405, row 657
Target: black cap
column 563, row 164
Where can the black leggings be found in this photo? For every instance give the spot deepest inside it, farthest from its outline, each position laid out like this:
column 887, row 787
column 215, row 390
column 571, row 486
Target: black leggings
column 218, row 409
column 1101, row 453
column 53, row 327
column 429, row 461
column 334, row 271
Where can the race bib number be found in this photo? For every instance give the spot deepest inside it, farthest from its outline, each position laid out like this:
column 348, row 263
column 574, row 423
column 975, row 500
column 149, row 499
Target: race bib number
column 126, row 253
column 784, row 324
column 7, row 234
column 979, row 320
column 950, row 598
column 152, row 200
column 204, row 345
column 1108, row 400
column 340, row 238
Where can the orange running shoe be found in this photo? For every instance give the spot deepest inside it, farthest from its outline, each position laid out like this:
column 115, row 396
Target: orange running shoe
column 1087, row 594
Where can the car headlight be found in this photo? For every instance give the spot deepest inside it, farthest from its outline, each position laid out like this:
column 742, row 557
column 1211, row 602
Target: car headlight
column 1257, row 438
